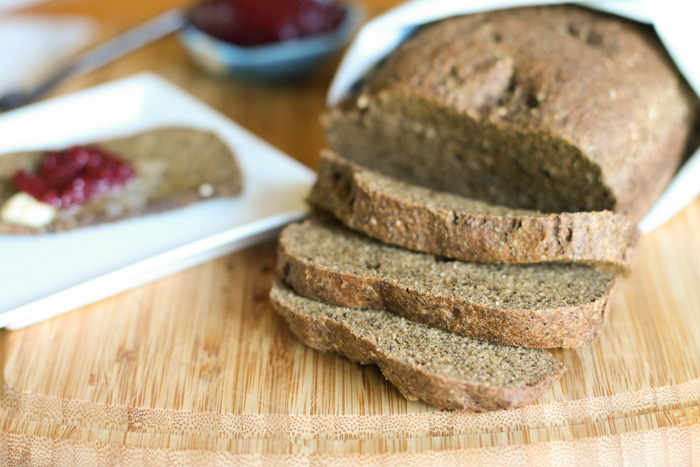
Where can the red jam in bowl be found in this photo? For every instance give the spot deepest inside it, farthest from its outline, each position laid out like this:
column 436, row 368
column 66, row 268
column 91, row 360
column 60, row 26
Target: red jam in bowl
column 255, row 22
column 74, row 176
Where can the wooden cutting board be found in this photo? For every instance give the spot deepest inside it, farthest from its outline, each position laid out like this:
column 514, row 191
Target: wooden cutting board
column 198, row 368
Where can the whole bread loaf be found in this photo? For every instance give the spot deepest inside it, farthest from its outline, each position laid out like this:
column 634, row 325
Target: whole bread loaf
column 535, row 305
column 175, row 167
column 453, row 226
column 558, row 108
column 443, row 369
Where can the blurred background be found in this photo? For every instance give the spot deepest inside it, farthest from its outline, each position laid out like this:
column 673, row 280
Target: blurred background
column 38, row 36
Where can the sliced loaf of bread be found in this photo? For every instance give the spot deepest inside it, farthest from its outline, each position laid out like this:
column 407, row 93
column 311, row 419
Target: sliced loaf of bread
column 443, row 369
column 536, row 305
column 556, row 108
column 463, row 228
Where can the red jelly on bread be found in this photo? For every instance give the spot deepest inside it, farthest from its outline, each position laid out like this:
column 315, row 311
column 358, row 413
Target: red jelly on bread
column 74, row 176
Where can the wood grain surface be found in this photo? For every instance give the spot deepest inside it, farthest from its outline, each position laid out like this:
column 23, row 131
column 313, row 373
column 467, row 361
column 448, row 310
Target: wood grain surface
column 197, row 369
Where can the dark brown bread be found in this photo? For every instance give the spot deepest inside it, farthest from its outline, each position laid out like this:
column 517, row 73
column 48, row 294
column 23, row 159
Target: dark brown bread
column 559, row 109
column 171, row 165
column 536, row 305
column 445, row 370
column 453, row 226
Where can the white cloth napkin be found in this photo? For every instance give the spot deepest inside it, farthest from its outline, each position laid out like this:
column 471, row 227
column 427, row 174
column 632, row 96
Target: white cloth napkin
column 9, row 5
column 675, row 22
column 31, row 46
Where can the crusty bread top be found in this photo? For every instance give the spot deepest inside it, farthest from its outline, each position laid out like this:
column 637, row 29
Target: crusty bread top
column 463, row 228
column 171, row 164
column 444, row 369
column 557, row 108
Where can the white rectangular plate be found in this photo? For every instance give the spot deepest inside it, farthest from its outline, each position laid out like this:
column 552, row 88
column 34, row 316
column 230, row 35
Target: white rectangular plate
column 43, row 276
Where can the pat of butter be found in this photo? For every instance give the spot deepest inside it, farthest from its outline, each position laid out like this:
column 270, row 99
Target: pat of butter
column 206, row 190
column 26, row 210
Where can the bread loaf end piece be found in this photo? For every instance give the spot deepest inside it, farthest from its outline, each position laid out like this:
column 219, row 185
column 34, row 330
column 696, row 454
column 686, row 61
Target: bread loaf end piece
column 558, row 108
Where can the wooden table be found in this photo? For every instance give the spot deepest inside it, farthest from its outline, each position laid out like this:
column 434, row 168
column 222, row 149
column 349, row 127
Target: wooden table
column 197, row 368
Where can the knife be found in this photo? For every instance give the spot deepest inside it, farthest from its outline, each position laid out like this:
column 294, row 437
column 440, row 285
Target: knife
column 130, row 40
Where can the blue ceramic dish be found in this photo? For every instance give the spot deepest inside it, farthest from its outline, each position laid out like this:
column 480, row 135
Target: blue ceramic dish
column 281, row 60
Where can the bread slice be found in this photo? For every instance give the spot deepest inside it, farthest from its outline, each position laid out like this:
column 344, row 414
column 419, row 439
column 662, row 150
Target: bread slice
column 535, row 305
column 443, row 369
column 456, row 227
column 174, row 167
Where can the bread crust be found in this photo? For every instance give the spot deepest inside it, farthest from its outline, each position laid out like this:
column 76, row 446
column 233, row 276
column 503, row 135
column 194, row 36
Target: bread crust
column 171, row 164
column 415, row 381
column 461, row 228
